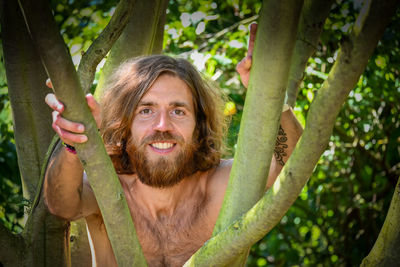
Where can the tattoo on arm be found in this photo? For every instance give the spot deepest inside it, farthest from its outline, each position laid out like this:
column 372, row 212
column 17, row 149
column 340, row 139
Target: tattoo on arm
column 280, row 146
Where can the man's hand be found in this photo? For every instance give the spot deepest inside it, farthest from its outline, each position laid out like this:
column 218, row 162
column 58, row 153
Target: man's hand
column 244, row 66
column 70, row 132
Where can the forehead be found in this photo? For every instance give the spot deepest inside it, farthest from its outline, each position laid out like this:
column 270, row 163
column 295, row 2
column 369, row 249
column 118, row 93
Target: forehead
column 169, row 88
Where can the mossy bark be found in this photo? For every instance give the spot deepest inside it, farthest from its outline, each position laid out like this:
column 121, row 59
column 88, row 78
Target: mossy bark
column 26, row 88
column 259, row 220
column 313, row 16
column 262, row 110
column 97, row 164
column 142, row 36
column 12, row 248
column 103, row 43
column 386, row 249
column 33, row 134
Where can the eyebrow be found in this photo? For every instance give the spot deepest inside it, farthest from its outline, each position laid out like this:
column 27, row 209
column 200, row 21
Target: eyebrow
column 146, row 103
column 179, row 104
column 173, row 104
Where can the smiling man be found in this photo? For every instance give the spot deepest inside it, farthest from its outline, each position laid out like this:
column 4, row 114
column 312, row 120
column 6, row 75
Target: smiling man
column 163, row 127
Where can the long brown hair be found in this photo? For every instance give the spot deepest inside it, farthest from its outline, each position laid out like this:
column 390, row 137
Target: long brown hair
column 130, row 83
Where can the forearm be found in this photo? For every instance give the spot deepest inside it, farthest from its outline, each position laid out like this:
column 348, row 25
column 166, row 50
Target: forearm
column 289, row 133
column 63, row 184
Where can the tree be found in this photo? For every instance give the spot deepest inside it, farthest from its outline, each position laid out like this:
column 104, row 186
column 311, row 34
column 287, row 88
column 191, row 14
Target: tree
column 355, row 51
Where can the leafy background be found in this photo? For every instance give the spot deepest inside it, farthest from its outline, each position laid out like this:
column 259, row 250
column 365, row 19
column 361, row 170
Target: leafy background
column 339, row 213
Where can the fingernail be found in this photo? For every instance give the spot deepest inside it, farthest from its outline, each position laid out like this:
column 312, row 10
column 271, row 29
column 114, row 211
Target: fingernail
column 84, row 138
column 81, row 128
column 59, row 107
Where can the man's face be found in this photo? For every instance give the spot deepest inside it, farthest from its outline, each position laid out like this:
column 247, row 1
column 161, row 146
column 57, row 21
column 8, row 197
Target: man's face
column 162, row 133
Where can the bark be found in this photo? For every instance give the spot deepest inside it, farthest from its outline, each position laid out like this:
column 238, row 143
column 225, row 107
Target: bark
column 26, row 86
column 32, row 127
column 267, row 85
column 80, row 250
column 142, row 36
column 47, row 239
column 103, row 43
column 259, row 220
column 79, row 244
column 313, row 16
column 109, row 193
column 386, row 249
column 45, row 236
column 12, row 248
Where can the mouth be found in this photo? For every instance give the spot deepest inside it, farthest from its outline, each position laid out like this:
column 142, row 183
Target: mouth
column 162, row 147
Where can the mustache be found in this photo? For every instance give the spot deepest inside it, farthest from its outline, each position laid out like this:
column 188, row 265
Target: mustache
column 162, row 136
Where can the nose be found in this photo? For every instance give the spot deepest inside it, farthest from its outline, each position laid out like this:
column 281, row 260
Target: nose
column 162, row 122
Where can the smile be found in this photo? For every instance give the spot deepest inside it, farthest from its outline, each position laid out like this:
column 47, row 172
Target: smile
column 163, row 147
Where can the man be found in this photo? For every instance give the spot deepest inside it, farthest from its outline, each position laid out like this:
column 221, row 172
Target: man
column 163, row 128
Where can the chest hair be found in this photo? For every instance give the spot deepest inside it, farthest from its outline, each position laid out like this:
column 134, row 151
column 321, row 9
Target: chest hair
column 170, row 240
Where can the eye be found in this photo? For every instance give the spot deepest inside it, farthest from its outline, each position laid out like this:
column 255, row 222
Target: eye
column 178, row 112
column 145, row 111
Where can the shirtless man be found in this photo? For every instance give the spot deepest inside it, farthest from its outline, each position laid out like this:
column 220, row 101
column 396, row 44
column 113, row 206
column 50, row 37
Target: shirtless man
column 163, row 128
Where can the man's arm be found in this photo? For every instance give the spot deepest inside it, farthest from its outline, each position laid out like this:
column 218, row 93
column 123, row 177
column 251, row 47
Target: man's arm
column 66, row 190
column 289, row 133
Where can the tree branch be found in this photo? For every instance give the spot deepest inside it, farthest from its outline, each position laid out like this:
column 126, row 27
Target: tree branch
column 93, row 156
column 386, row 249
column 103, row 43
column 26, row 87
column 142, row 36
column 12, row 247
column 267, row 84
column 267, row 212
column 260, row 122
column 312, row 20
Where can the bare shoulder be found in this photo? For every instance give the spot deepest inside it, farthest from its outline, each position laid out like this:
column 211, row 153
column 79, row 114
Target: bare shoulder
column 218, row 179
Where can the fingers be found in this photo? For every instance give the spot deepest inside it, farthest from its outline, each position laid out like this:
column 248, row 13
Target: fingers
column 53, row 103
column 92, row 103
column 48, row 83
column 244, row 65
column 243, row 68
column 253, row 31
column 94, row 108
column 69, row 132
column 66, row 124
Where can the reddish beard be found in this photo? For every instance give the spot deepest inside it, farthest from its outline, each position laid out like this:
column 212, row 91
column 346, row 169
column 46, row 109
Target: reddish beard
column 162, row 172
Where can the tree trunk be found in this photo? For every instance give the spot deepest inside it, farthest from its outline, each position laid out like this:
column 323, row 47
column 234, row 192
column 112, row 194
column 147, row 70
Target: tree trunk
column 313, row 16
column 97, row 164
column 142, row 36
column 259, row 220
column 386, row 249
column 26, row 86
column 33, row 133
column 260, row 121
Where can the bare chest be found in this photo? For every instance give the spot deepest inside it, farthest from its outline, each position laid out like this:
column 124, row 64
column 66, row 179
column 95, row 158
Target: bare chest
column 171, row 240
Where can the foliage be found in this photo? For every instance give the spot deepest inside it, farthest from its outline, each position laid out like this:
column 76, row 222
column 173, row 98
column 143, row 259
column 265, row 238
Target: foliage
column 339, row 213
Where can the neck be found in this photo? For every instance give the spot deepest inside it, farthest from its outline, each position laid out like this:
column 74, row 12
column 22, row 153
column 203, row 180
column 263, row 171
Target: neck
column 160, row 202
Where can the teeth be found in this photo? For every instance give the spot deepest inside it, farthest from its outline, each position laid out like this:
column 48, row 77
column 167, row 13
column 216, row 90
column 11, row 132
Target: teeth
column 162, row 145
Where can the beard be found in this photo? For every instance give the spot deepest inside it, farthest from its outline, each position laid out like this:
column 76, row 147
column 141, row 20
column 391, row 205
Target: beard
column 162, row 172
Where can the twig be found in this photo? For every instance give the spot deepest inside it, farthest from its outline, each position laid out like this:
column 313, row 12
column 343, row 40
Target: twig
column 103, row 43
